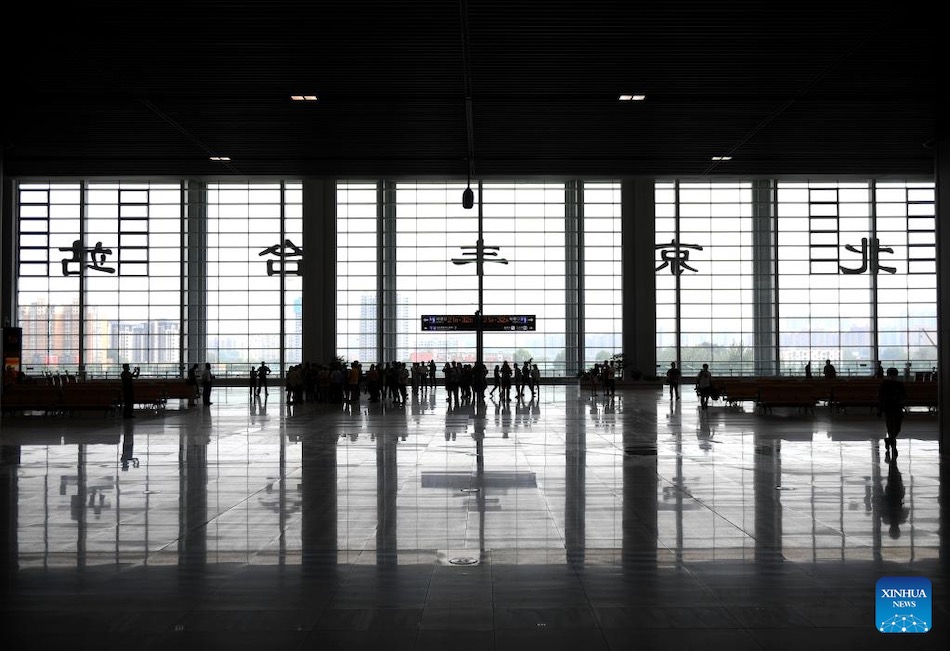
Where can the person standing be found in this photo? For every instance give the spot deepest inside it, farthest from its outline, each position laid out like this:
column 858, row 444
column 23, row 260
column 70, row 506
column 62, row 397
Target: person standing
column 252, row 386
column 207, row 378
column 128, row 392
column 704, row 386
column 193, row 381
column 262, row 372
column 829, row 370
column 891, row 397
column 673, row 379
column 506, row 373
column 536, row 380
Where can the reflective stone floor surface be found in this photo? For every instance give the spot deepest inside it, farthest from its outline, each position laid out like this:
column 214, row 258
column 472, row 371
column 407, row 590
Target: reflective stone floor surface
column 566, row 522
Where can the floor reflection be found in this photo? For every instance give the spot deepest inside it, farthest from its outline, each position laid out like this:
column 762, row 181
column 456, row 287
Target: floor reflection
column 438, row 522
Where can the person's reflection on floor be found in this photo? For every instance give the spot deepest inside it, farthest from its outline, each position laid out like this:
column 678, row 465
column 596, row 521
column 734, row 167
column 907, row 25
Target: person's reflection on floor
column 892, row 509
column 128, row 441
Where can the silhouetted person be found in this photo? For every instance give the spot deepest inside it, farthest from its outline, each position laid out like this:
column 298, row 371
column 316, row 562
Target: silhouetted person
column 879, row 371
column 193, row 381
column 252, row 382
column 262, row 372
column 128, row 391
column 505, row 373
column 496, row 376
column 829, row 370
column 207, row 378
column 891, row 397
column 808, row 370
column 673, row 379
column 704, row 386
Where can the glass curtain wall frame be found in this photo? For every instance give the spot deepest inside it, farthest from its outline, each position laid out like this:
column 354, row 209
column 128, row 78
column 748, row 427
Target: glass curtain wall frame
column 98, row 283
column 857, row 266
column 254, row 289
column 427, row 227
column 704, row 277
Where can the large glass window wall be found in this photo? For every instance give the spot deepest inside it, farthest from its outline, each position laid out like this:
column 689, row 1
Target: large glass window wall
column 854, row 280
column 704, row 277
column 406, row 250
column 857, row 276
column 254, row 275
column 101, row 276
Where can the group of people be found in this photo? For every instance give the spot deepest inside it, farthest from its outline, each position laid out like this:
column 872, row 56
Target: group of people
column 526, row 377
column 202, row 381
column 603, row 375
column 703, row 384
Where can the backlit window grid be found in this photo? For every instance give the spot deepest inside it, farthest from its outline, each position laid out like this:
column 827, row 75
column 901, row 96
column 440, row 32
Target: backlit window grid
column 47, row 300
column 356, row 271
column 431, row 229
column 245, row 304
column 715, row 265
column 602, row 264
column 839, row 324
column 907, row 319
column 526, row 220
column 133, row 314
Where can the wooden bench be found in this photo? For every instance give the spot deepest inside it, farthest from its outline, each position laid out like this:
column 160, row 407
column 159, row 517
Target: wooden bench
column 854, row 393
column 921, row 394
column 65, row 399
column 30, row 397
column 82, row 397
column 735, row 392
column 798, row 395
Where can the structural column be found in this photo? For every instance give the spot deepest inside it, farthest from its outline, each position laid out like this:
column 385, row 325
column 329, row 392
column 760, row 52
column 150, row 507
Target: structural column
column 764, row 279
column 942, row 176
column 195, row 273
column 319, row 270
column 638, row 214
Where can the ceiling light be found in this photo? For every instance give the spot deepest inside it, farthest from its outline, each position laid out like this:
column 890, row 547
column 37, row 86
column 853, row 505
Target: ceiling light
column 221, row 158
column 304, row 98
column 722, row 157
column 632, row 98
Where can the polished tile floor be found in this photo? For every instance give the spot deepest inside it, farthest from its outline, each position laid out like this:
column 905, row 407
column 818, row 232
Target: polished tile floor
column 567, row 522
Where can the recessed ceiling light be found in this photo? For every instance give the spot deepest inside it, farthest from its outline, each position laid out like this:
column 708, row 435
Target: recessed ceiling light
column 632, row 98
column 722, row 157
column 221, row 158
column 304, row 98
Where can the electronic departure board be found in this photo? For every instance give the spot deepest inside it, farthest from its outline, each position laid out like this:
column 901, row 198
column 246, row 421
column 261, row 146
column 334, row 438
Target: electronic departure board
column 467, row 322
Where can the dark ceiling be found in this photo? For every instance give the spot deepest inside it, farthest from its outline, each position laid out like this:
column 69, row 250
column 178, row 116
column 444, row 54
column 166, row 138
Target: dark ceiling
column 155, row 88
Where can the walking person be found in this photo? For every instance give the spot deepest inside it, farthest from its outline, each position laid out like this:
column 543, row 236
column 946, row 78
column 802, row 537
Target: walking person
column 891, row 397
column 535, row 380
column 704, row 386
column 262, row 372
column 496, row 377
column 673, row 376
column 526, row 378
column 207, row 378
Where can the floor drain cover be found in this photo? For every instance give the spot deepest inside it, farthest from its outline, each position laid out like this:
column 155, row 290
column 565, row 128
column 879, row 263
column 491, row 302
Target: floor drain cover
column 464, row 560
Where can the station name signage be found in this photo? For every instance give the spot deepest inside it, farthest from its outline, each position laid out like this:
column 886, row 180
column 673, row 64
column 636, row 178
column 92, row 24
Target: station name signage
column 468, row 322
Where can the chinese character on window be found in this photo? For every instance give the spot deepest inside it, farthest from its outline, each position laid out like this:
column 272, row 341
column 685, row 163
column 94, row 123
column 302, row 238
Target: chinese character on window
column 289, row 257
column 870, row 257
column 97, row 255
column 675, row 256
